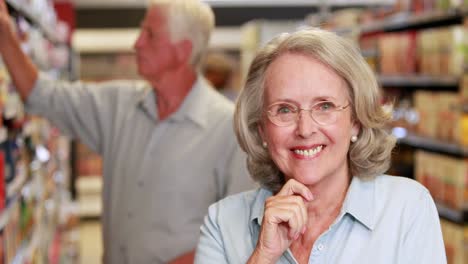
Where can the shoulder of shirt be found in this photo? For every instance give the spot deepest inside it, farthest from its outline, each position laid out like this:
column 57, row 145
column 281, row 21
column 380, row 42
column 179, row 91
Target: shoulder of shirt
column 400, row 185
column 246, row 197
column 400, row 191
column 405, row 200
column 217, row 101
column 131, row 91
column 129, row 86
column 236, row 205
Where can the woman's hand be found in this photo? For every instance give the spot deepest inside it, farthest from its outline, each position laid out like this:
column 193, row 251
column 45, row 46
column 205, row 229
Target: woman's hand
column 283, row 222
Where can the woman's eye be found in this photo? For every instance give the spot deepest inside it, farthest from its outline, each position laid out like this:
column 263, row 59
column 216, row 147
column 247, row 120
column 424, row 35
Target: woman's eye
column 284, row 110
column 326, row 106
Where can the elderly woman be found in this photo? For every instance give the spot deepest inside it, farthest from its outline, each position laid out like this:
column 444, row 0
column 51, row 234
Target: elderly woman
column 311, row 121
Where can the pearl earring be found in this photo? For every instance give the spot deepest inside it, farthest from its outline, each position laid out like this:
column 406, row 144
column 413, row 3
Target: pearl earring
column 265, row 145
column 353, row 139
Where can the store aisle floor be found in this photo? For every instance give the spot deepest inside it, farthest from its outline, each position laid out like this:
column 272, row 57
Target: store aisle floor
column 90, row 242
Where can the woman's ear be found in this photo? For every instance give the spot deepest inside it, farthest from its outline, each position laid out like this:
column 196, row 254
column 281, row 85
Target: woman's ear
column 356, row 128
column 260, row 131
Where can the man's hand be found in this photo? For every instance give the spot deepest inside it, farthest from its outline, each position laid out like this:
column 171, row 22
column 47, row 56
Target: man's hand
column 187, row 258
column 22, row 71
column 5, row 24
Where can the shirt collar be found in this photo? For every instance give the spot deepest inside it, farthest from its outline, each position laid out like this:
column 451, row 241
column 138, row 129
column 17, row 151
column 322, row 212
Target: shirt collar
column 359, row 202
column 146, row 102
column 257, row 210
column 192, row 108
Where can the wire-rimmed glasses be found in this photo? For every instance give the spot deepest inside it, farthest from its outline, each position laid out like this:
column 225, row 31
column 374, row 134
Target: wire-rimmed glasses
column 285, row 113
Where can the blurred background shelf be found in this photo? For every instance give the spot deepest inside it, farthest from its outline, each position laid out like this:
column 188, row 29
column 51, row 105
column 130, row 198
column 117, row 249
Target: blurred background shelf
column 421, row 81
column 408, row 21
column 435, row 145
column 459, row 217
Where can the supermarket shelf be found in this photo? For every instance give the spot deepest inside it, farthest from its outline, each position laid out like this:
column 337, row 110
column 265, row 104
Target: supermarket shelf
column 433, row 145
column 419, row 81
column 13, row 194
column 406, row 21
column 47, row 30
column 20, row 256
column 28, row 247
column 18, row 183
column 90, row 207
column 460, row 217
column 242, row 3
column 7, row 211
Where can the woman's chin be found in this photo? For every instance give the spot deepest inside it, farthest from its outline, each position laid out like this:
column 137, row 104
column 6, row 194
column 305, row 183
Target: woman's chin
column 306, row 178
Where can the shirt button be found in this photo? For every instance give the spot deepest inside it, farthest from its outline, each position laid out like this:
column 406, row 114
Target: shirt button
column 320, row 247
column 141, row 184
column 129, row 215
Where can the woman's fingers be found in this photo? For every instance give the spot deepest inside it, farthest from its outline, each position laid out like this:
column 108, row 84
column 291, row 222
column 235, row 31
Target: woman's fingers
column 290, row 210
column 293, row 187
column 289, row 202
column 280, row 216
column 293, row 203
column 284, row 219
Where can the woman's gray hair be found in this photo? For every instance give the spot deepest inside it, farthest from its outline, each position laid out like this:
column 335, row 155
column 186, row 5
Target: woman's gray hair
column 189, row 19
column 368, row 156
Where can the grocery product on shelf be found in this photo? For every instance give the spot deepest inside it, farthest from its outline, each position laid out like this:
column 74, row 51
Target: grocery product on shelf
column 34, row 157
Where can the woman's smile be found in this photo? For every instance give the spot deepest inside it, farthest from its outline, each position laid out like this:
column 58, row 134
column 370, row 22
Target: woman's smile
column 307, row 152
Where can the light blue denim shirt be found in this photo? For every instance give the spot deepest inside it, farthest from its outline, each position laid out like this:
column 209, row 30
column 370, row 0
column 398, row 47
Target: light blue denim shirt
column 385, row 220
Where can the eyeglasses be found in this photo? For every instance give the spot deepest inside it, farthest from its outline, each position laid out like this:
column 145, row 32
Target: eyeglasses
column 285, row 114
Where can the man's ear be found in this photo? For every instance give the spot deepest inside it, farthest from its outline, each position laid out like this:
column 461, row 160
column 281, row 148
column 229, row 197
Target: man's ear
column 184, row 50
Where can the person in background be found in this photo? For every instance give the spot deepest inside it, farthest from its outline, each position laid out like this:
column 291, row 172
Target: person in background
column 311, row 123
column 167, row 143
column 219, row 69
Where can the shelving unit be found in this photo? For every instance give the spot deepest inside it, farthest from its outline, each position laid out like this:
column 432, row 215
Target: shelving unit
column 435, row 145
column 439, row 160
column 34, row 157
column 459, row 217
column 421, row 81
column 408, row 22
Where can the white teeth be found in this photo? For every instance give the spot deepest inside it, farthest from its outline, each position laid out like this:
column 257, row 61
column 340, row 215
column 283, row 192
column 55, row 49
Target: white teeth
column 309, row 152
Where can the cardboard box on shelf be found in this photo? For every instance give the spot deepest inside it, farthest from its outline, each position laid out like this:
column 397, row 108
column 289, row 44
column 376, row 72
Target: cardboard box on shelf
column 445, row 177
column 456, row 240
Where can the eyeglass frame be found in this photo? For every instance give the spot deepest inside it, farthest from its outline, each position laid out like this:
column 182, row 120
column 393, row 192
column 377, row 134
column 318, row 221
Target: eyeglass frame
column 299, row 109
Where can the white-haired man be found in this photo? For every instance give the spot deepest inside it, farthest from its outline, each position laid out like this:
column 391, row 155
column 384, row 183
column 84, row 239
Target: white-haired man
column 168, row 145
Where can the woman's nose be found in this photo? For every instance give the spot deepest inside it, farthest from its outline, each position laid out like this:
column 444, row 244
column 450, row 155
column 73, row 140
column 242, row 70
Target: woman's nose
column 306, row 126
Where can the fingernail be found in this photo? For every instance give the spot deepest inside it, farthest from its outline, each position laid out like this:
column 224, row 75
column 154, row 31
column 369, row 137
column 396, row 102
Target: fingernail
column 296, row 236
column 303, row 230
